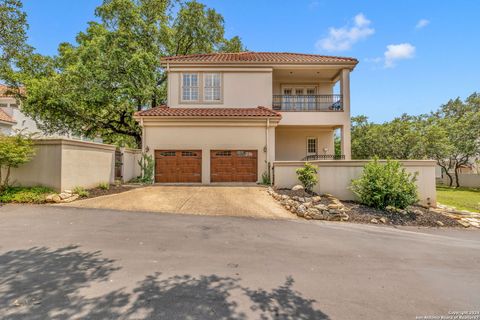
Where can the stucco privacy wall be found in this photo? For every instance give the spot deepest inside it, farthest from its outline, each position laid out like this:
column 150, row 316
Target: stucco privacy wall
column 335, row 176
column 470, row 180
column 130, row 167
column 44, row 169
column 87, row 164
column 291, row 142
column 64, row 164
column 212, row 136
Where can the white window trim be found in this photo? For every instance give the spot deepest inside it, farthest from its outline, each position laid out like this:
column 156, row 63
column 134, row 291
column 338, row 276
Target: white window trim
column 199, row 86
column 220, row 100
column 316, row 146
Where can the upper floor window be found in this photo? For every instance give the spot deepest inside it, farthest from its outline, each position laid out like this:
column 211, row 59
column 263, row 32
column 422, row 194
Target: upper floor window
column 190, row 87
column 212, row 86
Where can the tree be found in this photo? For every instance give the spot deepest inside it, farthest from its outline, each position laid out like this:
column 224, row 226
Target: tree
column 14, row 151
column 397, row 139
column 93, row 87
column 452, row 135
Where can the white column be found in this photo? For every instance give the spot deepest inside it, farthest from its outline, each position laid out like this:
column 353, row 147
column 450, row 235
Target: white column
column 345, row 129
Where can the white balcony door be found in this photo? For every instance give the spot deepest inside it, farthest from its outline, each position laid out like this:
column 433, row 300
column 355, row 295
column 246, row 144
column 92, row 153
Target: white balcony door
column 298, row 97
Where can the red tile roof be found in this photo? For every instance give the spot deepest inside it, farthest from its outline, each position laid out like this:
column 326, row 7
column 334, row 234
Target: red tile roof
column 164, row 111
column 6, row 92
column 259, row 57
column 4, row 117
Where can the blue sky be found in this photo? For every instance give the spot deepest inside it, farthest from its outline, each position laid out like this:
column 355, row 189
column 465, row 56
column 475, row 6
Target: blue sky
column 414, row 55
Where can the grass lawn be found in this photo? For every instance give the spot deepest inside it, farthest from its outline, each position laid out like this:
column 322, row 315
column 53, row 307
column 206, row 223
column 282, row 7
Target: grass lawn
column 24, row 194
column 460, row 198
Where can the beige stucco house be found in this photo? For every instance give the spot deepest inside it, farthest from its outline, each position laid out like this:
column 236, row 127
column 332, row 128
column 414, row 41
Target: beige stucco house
column 229, row 116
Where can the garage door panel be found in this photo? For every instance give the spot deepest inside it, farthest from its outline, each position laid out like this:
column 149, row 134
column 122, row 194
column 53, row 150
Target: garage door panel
column 178, row 166
column 233, row 166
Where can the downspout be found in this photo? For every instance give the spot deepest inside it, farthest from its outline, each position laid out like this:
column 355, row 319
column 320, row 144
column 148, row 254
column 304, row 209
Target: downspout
column 268, row 147
column 143, row 134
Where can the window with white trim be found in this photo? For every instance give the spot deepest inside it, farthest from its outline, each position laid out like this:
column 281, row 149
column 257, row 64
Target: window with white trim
column 212, row 86
column 312, row 146
column 190, row 87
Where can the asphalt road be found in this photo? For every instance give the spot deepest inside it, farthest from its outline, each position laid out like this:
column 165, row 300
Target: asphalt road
column 68, row 263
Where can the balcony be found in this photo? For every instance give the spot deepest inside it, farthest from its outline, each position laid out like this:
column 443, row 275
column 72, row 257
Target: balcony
column 306, row 103
column 324, row 157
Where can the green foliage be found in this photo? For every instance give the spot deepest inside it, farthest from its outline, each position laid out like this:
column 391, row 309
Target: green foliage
column 451, row 136
column 460, row 198
column 147, row 167
column 24, row 194
column 398, row 139
column 93, row 87
column 14, row 151
column 104, row 185
column 307, row 176
column 266, row 178
column 383, row 185
column 81, row 191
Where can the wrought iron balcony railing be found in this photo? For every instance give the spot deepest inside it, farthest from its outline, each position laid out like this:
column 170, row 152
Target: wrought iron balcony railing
column 324, row 157
column 305, row 103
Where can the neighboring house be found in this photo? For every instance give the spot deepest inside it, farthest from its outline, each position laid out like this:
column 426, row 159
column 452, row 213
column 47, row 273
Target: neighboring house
column 229, row 116
column 13, row 120
column 10, row 107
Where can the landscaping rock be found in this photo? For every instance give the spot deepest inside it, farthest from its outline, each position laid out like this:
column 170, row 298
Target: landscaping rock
column 72, row 198
column 308, row 204
column 301, row 199
column 284, row 197
column 463, row 223
column 64, row 195
column 308, row 199
column 383, row 220
column 297, row 187
column 316, row 199
column 440, row 223
column 321, row 207
column 301, row 210
column 334, row 206
column 56, row 198
column 68, row 191
column 374, row 220
column 49, row 198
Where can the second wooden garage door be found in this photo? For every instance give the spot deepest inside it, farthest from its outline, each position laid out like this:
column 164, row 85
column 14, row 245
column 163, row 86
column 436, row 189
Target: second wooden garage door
column 178, row 166
column 233, row 166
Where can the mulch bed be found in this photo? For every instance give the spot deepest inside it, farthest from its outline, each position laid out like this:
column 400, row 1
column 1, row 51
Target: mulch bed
column 359, row 213
column 97, row 192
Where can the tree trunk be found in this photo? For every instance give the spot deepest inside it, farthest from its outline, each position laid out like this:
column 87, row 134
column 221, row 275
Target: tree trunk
column 450, row 178
column 7, row 177
column 457, row 183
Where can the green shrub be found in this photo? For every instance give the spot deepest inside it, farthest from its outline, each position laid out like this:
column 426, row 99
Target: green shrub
column 307, row 176
column 24, row 194
column 104, row 186
column 266, row 178
column 81, row 192
column 147, row 167
column 383, row 185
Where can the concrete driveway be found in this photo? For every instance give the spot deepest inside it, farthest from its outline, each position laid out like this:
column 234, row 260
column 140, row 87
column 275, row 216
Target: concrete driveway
column 68, row 263
column 241, row 201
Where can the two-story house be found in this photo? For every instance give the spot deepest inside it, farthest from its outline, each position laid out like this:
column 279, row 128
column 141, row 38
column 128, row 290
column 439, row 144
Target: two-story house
column 12, row 119
column 229, row 116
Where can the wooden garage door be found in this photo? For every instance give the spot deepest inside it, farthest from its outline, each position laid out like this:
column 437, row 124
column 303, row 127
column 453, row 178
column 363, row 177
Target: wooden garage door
column 178, row 166
column 233, row 166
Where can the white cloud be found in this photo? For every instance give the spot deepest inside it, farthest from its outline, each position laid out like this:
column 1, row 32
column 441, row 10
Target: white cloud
column 422, row 23
column 398, row 52
column 340, row 39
